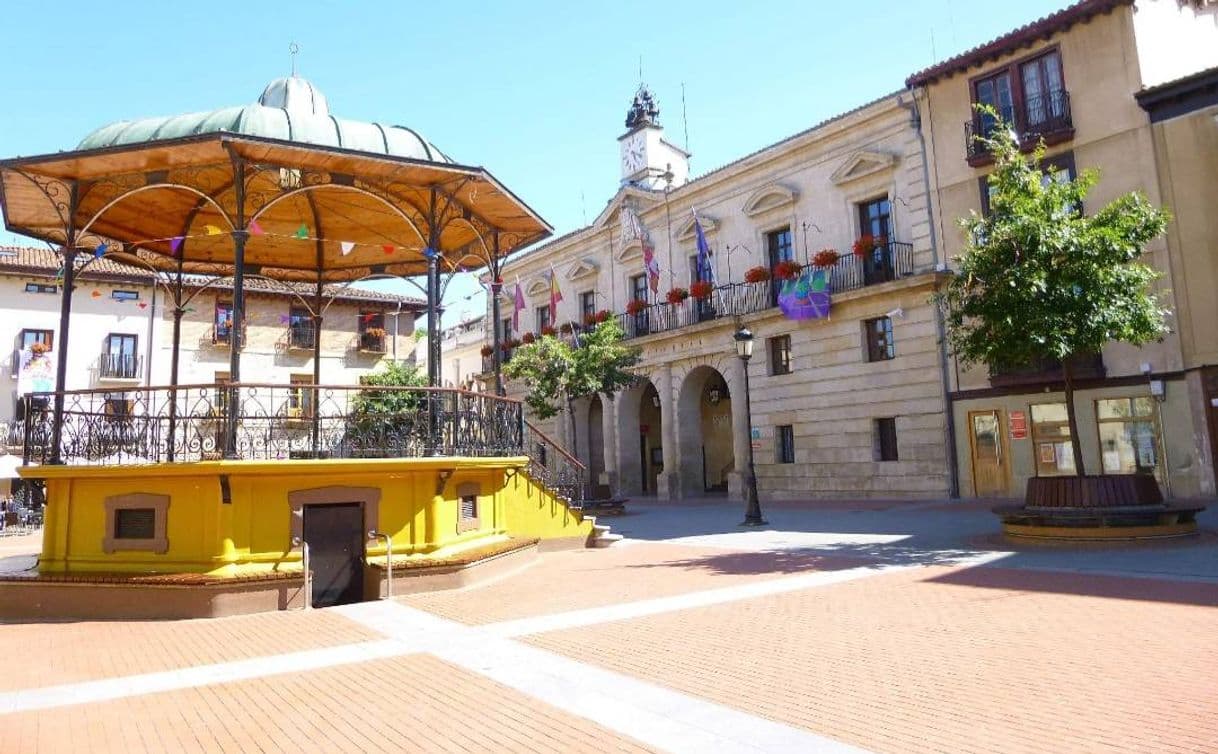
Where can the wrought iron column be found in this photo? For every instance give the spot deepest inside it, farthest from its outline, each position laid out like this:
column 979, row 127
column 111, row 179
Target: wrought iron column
column 174, row 359
column 61, row 358
column 240, row 236
column 65, row 317
column 316, row 397
column 496, row 288
column 433, row 350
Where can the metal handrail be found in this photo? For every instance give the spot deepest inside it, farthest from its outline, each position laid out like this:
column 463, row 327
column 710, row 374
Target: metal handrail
column 374, row 534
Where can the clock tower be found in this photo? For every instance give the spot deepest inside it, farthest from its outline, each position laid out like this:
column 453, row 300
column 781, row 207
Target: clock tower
column 648, row 161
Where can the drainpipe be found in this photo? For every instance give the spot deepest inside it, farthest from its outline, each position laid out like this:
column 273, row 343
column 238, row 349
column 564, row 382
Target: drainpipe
column 396, row 318
column 953, row 466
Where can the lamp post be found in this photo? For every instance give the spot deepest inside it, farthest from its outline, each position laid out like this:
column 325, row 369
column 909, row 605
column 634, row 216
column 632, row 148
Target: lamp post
column 752, row 510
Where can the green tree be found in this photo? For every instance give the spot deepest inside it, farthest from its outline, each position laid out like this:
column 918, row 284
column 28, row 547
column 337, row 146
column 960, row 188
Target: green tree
column 557, row 370
column 1040, row 281
column 388, row 411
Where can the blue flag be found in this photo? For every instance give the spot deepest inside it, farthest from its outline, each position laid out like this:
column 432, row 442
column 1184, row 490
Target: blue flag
column 705, row 270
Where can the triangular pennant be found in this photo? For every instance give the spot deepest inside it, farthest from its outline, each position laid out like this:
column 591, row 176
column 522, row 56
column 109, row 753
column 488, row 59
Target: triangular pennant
column 175, row 244
column 213, row 230
column 99, row 251
column 346, row 246
column 387, row 248
column 143, row 304
column 255, row 229
column 96, row 293
column 303, row 231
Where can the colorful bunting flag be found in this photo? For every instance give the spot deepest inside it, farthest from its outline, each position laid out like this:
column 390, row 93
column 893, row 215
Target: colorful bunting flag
column 429, row 252
column 303, row 231
column 387, row 248
column 99, row 251
column 213, row 230
column 346, row 246
column 175, row 244
column 143, row 304
column 96, row 293
column 255, row 229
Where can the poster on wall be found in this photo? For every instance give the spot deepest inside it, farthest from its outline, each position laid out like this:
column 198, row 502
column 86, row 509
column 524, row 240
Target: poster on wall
column 1019, row 425
column 36, row 373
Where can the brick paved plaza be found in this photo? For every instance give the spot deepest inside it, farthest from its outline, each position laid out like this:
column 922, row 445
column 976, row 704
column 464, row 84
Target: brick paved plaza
column 877, row 628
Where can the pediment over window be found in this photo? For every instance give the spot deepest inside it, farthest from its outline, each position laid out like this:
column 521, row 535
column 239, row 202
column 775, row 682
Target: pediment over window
column 771, row 197
column 632, row 250
column 686, row 231
column 582, row 269
column 538, row 285
column 861, row 164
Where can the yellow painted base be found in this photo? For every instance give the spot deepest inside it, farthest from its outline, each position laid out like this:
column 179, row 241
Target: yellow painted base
column 1100, row 533
column 417, row 504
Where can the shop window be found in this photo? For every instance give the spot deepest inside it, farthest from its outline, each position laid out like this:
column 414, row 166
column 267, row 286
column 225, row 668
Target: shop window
column 136, row 521
column 1129, row 438
column 1051, row 440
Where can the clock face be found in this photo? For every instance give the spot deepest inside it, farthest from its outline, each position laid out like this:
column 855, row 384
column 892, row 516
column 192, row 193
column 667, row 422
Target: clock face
column 632, row 154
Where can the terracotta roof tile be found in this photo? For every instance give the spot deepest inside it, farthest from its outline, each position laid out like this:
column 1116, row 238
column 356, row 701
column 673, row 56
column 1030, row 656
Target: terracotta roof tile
column 1013, row 40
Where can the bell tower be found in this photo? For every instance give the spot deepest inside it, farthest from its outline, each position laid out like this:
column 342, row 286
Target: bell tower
column 648, row 160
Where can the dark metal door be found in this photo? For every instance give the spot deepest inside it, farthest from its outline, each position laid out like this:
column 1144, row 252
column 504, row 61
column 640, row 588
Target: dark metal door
column 335, row 534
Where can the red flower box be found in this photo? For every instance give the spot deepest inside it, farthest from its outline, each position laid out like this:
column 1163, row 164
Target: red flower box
column 825, row 258
column 636, row 306
column 488, row 350
column 787, row 269
column 757, row 275
column 677, row 295
column 701, row 289
column 549, row 330
column 868, row 243
column 528, row 338
column 566, row 328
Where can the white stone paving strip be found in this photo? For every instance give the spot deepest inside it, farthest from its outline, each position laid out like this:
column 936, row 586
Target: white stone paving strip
column 109, row 689
column 648, row 713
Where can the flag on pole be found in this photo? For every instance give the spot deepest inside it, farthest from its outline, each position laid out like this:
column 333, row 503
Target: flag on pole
column 705, row 270
column 555, row 295
column 518, row 305
column 632, row 230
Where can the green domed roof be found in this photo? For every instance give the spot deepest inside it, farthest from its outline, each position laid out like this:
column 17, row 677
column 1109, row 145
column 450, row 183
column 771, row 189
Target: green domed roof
column 290, row 109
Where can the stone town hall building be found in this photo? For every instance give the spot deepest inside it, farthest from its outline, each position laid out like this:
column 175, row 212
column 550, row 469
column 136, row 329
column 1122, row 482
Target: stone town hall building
column 867, row 402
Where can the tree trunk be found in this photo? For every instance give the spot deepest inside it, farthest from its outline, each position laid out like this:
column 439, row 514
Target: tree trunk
column 574, row 437
column 1072, row 419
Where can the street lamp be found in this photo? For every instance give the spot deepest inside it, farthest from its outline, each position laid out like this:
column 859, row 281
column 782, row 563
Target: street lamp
column 752, row 511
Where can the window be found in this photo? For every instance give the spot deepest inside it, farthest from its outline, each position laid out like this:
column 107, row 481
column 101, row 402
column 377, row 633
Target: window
column 1059, row 168
column 875, row 220
column 543, row 318
column 220, row 407
column 41, row 288
column 1030, row 95
column 136, row 521
column 119, row 409
column 223, row 322
column 505, row 330
column 469, row 506
column 30, row 337
column 372, row 332
column 1129, row 438
column 886, row 439
column 119, row 357
column 786, row 443
column 778, row 246
column 878, row 335
column 300, row 400
column 1051, row 440
column 780, row 354
column 638, row 287
column 587, row 306
column 125, row 295
column 467, row 511
column 300, row 328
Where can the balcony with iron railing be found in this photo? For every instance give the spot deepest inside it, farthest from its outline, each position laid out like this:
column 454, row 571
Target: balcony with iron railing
column 885, row 263
column 119, row 366
column 372, row 340
column 301, row 336
column 1046, row 117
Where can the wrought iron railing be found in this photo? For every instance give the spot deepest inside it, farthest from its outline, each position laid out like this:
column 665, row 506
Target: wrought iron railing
column 1041, row 116
column 554, row 467
column 371, row 342
column 120, row 366
column 302, row 336
column 883, row 264
column 269, row 422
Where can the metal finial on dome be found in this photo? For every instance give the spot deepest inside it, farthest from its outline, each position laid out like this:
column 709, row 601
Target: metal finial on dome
column 293, row 50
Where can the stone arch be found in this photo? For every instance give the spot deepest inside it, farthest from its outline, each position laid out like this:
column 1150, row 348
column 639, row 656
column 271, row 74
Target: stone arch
column 705, row 434
column 636, row 410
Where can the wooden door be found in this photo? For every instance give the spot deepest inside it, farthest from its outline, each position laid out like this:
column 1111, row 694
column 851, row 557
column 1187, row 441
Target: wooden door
column 335, row 535
column 989, row 462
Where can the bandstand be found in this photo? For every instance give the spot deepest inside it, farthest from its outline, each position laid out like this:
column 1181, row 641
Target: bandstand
column 215, row 494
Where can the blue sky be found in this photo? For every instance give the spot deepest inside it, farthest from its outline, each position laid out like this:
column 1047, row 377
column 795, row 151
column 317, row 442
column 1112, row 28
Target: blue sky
column 536, row 92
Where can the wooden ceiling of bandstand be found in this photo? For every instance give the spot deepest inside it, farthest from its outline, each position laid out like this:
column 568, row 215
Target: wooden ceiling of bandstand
column 147, row 195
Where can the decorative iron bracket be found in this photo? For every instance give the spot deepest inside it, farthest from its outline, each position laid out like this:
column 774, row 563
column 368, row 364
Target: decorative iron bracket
column 442, row 482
